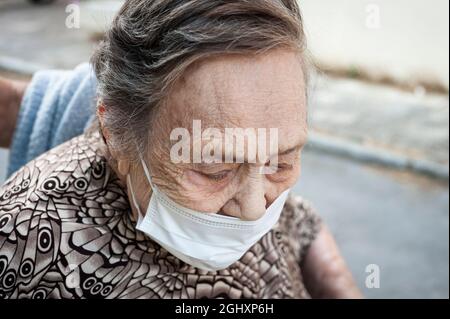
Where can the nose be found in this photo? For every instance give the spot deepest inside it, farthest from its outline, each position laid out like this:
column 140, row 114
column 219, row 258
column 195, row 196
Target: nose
column 252, row 199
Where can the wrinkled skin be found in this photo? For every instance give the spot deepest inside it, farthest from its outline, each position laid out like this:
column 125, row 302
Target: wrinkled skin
column 236, row 91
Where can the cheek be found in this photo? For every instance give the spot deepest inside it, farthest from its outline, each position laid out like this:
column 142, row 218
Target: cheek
column 196, row 182
column 290, row 180
column 201, row 195
column 286, row 178
column 211, row 204
column 275, row 189
column 296, row 174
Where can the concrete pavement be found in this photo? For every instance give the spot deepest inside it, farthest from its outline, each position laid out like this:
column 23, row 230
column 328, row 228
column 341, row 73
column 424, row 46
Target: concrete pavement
column 398, row 128
column 398, row 221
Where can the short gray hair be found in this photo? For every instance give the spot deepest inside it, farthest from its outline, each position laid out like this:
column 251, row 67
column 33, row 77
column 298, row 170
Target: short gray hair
column 152, row 42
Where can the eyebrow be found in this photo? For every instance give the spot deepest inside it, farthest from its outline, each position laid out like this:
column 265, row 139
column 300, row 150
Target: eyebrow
column 293, row 149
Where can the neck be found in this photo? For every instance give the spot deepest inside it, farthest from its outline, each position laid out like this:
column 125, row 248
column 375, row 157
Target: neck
column 123, row 183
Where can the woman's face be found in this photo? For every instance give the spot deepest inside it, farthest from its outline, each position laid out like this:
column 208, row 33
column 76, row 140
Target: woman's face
column 224, row 93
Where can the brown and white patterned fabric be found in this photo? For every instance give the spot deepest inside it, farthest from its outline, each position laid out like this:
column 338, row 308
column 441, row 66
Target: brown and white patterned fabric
column 66, row 231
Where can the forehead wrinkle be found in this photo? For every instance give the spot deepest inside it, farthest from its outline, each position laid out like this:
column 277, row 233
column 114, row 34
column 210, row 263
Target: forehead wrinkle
column 233, row 113
column 212, row 96
column 258, row 101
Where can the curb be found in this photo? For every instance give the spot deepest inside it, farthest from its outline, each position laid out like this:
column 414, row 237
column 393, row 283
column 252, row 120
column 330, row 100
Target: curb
column 373, row 155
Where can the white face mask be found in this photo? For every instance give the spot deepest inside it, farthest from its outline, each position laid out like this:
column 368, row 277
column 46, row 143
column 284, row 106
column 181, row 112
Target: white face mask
column 206, row 241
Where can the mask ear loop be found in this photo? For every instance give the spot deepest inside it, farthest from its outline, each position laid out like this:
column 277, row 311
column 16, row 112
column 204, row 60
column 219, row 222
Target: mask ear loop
column 149, row 178
column 146, row 168
column 133, row 198
column 147, row 173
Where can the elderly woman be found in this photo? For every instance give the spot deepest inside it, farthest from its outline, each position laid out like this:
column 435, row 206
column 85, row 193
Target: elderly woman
column 111, row 214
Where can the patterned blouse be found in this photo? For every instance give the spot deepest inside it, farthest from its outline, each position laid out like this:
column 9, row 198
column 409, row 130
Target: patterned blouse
column 66, row 231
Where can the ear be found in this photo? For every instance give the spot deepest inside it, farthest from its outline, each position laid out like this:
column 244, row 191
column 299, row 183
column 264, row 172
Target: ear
column 101, row 110
column 123, row 164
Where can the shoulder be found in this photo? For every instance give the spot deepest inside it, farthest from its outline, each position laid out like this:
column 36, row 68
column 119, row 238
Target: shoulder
column 46, row 201
column 301, row 221
column 68, row 167
column 300, row 211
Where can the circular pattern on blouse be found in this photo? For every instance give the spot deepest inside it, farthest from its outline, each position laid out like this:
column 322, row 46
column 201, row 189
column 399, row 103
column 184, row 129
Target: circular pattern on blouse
column 69, row 208
column 45, row 240
column 26, row 269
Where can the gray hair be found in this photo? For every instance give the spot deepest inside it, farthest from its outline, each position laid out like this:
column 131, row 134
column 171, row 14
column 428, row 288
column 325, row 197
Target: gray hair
column 152, row 42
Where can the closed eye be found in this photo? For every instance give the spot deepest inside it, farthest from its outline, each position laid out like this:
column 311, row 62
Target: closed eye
column 217, row 177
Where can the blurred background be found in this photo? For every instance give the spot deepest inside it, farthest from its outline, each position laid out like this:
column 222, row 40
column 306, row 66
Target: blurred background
column 377, row 164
